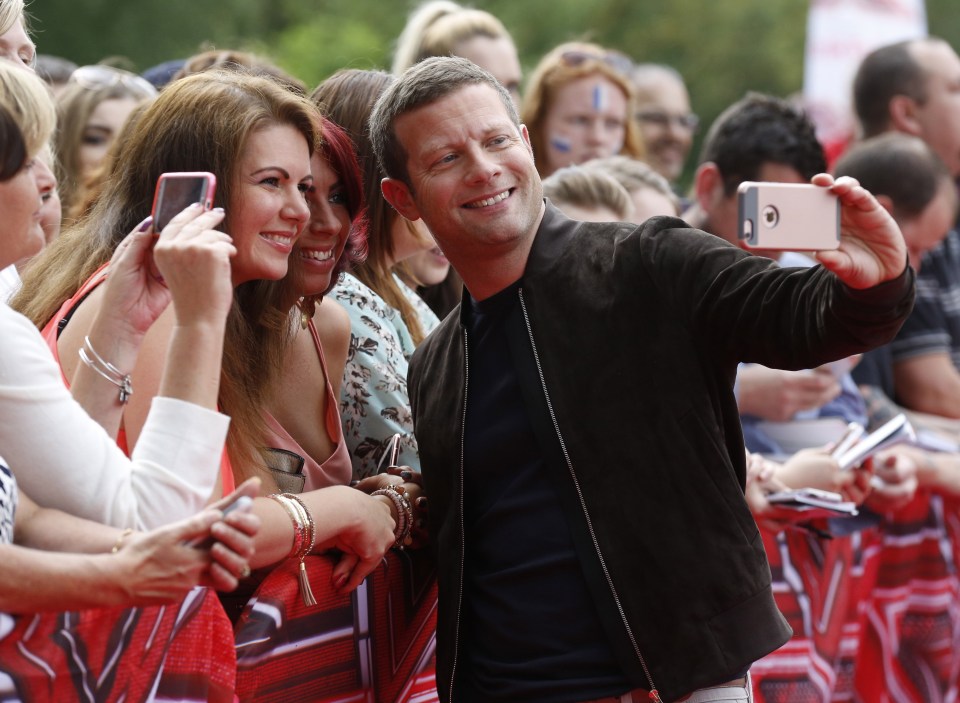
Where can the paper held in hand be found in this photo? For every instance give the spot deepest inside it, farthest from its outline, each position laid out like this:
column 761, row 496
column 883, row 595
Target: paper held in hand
column 813, row 502
column 854, row 448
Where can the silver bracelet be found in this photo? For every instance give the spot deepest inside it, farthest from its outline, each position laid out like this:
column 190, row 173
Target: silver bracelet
column 106, row 370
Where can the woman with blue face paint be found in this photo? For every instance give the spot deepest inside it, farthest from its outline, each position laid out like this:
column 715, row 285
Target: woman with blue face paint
column 579, row 106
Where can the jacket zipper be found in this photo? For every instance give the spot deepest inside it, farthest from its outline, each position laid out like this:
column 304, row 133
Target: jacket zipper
column 654, row 695
column 463, row 540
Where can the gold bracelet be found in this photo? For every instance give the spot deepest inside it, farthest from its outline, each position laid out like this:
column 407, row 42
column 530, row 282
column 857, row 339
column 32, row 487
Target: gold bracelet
column 299, row 528
column 305, row 590
column 304, row 534
column 119, row 543
column 311, row 527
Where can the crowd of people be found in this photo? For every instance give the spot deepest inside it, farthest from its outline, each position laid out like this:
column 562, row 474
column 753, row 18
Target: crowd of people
column 453, row 395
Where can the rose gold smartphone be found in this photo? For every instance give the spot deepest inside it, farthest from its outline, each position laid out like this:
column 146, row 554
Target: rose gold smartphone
column 391, row 454
column 788, row 216
column 178, row 190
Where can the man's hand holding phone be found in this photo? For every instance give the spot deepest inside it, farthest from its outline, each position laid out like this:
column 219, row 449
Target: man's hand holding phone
column 871, row 249
column 860, row 242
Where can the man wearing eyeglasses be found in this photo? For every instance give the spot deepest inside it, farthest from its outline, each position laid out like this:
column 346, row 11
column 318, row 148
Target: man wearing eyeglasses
column 578, row 433
column 667, row 124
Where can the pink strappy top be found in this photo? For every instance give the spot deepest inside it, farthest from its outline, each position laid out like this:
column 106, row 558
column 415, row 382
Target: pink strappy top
column 51, row 331
column 337, row 470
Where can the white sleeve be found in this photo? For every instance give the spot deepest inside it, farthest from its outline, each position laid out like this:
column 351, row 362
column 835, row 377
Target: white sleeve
column 63, row 459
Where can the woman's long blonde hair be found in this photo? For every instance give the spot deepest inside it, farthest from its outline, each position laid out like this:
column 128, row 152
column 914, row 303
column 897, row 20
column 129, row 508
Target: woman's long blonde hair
column 199, row 123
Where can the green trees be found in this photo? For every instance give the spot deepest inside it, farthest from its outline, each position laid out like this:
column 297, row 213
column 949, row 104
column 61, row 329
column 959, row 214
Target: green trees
column 722, row 48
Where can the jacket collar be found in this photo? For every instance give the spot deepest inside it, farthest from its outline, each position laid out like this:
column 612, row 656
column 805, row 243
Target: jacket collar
column 553, row 236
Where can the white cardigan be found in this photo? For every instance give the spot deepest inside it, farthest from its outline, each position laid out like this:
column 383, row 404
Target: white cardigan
column 63, row 459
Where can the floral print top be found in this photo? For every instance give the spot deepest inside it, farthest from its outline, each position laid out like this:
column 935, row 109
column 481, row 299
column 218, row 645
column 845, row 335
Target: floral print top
column 8, row 503
column 373, row 396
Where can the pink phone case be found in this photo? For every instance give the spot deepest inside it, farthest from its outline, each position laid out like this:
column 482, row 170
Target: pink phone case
column 177, row 190
column 788, row 216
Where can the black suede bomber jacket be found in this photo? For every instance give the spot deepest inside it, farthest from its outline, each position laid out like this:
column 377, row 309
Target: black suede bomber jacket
column 636, row 334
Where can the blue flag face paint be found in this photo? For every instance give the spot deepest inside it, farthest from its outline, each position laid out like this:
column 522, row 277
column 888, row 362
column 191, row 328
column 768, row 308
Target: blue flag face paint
column 561, row 144
column 599, row 97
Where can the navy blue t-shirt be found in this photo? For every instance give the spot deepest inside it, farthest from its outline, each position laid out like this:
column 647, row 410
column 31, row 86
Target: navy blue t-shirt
column 529, row 628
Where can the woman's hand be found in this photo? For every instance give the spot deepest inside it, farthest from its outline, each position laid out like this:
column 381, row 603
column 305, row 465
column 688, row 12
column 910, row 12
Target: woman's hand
column 365, row 533
column 193, row 259
column 158, row 566
column 410, row 483
column 133, row 297
column 161, row 565
column 233, row 540
column 897, row 479
column 761, row 481
column 189, row 262
column 812, row 468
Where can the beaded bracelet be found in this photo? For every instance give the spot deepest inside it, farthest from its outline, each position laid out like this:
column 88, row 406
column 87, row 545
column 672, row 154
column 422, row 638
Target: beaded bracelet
column 401, row 532
column 106, row 370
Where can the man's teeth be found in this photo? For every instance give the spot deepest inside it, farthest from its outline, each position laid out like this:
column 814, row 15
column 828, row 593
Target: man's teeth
column 491, row 201
column 317, row 255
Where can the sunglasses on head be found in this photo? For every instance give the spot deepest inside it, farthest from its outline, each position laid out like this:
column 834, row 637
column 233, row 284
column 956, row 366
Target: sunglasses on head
column 99, row 76
column 614, row 59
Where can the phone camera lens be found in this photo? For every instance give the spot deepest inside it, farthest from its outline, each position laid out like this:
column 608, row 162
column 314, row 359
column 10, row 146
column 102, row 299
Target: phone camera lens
column 770, row 216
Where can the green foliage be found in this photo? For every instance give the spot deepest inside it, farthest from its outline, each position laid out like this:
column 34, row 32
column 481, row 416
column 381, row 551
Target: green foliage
column 315, row 49
column 723, row 48
column 145, row 32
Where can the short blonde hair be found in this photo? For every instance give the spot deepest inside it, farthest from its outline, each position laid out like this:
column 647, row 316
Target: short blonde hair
column 28, row 101
column 556, row 69
column 436, row 27
column 588, row 188
column 634, row 175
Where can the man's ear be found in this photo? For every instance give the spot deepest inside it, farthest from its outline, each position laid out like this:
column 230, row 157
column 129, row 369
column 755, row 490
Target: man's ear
column 525, row 133
column 708, row 186
column 903, row 115
column 398, row 195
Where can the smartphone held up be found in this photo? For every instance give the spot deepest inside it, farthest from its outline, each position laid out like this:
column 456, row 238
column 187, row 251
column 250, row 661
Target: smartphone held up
column 788, row 217
column 178, row 190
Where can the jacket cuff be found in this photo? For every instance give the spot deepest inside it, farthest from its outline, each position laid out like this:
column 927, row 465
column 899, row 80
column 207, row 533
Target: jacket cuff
column 888, row 294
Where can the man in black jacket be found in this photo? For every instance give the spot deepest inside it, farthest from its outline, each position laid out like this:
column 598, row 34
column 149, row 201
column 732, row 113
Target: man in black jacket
column 578, row 432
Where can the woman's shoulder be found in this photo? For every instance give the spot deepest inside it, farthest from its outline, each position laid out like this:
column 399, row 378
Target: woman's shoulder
column 357, row 297
column 333, row 324
column 16, row 327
